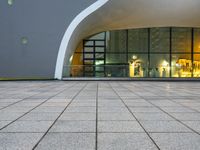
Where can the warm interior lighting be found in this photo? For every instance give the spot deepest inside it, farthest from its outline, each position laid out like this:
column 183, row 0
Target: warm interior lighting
column 134, row 57
column 71, row 58
column 183, row 68
column 165, row 63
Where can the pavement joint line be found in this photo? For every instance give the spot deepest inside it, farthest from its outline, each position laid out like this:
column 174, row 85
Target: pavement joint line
column 166, row 113
column 96, row 134
column 35, row 146
column 100, row 132
column 135, row 117
column 26, row 98
column 31, row 109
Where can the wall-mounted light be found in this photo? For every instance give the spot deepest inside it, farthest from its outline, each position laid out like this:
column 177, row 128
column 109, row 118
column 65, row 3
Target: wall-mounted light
column 24, row 40
column 10, row 2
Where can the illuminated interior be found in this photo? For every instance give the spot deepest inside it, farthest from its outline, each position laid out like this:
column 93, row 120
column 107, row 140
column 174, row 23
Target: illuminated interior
column 139, row 53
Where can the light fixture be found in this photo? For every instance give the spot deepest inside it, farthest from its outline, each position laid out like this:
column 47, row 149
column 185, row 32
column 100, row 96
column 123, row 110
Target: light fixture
column 165, row 63
column 10, row 2
column 24, row 40
column 134, row 57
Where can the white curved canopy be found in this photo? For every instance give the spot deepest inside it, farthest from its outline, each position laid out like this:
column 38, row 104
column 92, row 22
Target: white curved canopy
column 106, row 15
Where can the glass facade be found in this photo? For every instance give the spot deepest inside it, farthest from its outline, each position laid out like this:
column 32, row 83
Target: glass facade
column 141, row 53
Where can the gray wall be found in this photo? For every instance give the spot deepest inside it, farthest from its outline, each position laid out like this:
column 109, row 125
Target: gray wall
column 43, row 22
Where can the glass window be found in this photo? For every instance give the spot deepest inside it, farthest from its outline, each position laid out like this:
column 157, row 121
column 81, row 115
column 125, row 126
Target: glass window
column 99, row 55
column 99, row 43
column 89, row 43
column 115, row 58
column 89, row 49
column 181, row 65
column 89, row 56
column 117, row 41
column 99, row 68
column 159, row 65
column 197, row 40
column 196, row 65
column 138, row 40
column 89, row 62
column 160, row 40
column 138, row 65
column 100, row 36
column 99, row 74
column 181, row 40
column 99, row 49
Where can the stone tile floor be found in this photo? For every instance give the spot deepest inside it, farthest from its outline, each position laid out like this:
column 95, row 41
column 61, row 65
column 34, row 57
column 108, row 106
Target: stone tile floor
column 99, row 115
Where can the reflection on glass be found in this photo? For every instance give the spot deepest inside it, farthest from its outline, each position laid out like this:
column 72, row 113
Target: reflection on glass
column 89, row 49
column 117, row 41
column 138, row 65
column 89, row 43
column 196, row 40
column 196, row 65
column 159, row 40
column 115, row 58
column 181, row 40
column 181, row 65
column 138, row 40
column 116, row 70
column 159, row 65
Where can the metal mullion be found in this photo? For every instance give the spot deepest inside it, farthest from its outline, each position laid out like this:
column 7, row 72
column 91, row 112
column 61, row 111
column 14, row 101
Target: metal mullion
column 127, row 46
column 192, row 49
column 170, row 52
column 149, row 50
column 94, row 57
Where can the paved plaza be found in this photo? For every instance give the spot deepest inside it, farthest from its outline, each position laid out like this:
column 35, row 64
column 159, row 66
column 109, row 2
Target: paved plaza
column 75, row 115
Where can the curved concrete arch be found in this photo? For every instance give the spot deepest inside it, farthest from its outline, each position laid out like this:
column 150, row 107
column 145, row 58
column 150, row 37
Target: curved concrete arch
column 65, row 47
column 125, row 14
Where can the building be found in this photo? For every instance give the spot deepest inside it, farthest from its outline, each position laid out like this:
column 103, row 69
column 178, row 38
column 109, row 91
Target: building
column 105, row 38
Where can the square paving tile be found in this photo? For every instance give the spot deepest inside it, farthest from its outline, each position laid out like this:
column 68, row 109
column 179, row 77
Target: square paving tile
column 186, row 116
column 114, row 116
column 4, row 123
column 152, row 116
column 125, row 141
column 81, row 109
column 78, row 116
column 18, row 141
column 28, row 126
column 145, row 109
column 40, row 116
column 164, row 126
column 68, row 141
column 74, row 126
column 195, row 125
column 177, row 141
column 119, row 126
